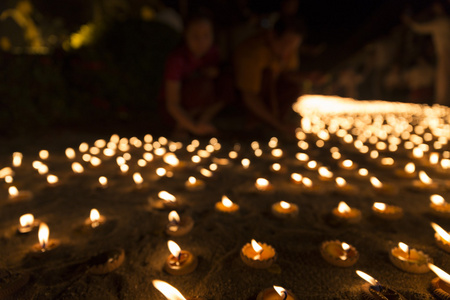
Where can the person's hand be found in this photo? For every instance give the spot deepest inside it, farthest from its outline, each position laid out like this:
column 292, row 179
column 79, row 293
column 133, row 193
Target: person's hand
column 204, row 129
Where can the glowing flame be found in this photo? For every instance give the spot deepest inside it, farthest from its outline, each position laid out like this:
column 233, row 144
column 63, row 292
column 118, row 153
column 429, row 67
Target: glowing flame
column 410, row 168
column 94, row 216
column 226, row 202
column 312, row 164
column 276, row 167
column 441, row 232
column 434, row 158
column 302, row 156
column 379, row 206
column 103, row 181
column 277, row 153
column 17, row 159
column 363, row 172
column 324, row 172
column 7, row 171
column 52, row 179
column 387, row 161
column 174, row 248
column 296, row 177
column 403, row 247
column 137, row 177
column 340, row 181
column 174, row 217
column 285, row 205
column 166, row 196
column 375, row 182
column 13, row 191
column 262, row 182
column 161, row 172
column 257, row 248
column 280, row 291
column 26, row 220
column 367, row 277
column 424, row 178
column 245, row 163
column 77, row 168
column 167, row 290
column 347, row 163
column 43, row 154
column 192, row 180
column 43, row 234
column 344, row 247
column 437, row 200
column 124, row 168
column 343, row 208
column 171, row 159
column 444, row 276
column 206, row 172
column 307, row 182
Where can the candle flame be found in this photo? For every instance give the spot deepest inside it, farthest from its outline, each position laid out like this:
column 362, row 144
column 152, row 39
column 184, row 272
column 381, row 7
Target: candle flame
column 167, row 290
column 375, row 182
column 307, row 182
column 280, row 291
column 441, row 232
column 206, row 172
column 137, row 177
column 94, row 216
column 13, row 191
column 347, row 163
column 425, row 178
column 312, row 164
column 43, row 235
column 324, row 172
column 387, row 161
column 161, row 172
column 444, row 276
column 343, row 207
column 276, row 167
column 17, row 159
column 345, row 246
column 192, row 180
column 379, row 206
column 403, row 247
column 26, row 220
column 52, row 179
column 434, row 158
column 226, row 202
column 302, row 156
column 363, row 172
column 166, row 196
column 103, row 180
column 296, row 177
column 410, row 168
column 256, row 247
column 77, row 167
column 171, row 159
column 174, row 217
column 174, row 248
column 437, row 200
column 340, row 181
column 285, row 205
column 245, row 163
column 262, row 182
column 367, row 277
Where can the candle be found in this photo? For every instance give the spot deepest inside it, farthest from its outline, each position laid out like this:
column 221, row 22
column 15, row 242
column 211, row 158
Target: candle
column 312, row 165
column 439, row 205
column 276, row 293
column 70, row 153
column 389, row 212
column 310, row 188
column 339, row 254
column 43, row 154
column 276, row 167
column 106, row 262
column 343, row 187
column 194, row 184
column 284, row 209
column 138, row 180
column 277, row 153
column 169, row 291
column 263, row 184
column 171, row 159
column 52, row 180
column 383, row 189
column 409, row 260
column 425, row 183
column 226, row 205
column 409, row 171
column 95, row 219
column 45, row 244
column 442, row 237
column 296, row 178
column 77, row 168
column 179, row 262
column 103, row 181
column 178, row 226
column 325, row 174
column 347, row 164
column 26, row 223
column 258, row 255
column 374, row 290
column 16, row 195
column 245, row 163
column 440, row 286
column 363, row 172
column 17, row 159
column 345, row 213
column 387, row 162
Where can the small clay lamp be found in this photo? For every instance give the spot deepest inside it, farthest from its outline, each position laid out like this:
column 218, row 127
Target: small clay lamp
column 339, row 254
column 325, row 174
column 409, row 171
column 194, row 184
column 296, row 178
column 263, row 185
column 179, row 262
column 170, row 292
column 409, row 260
column 284, row 209
column 347, row 214
column 106, row 262
column 311, row 188
column 383, row 189
column 52, row 180
column 442, row 237
column 179, row 226
column 348, row 165
column 26, row 223
column 425, row 183
column 440, row 206
column 45, row 244
column 387, row 163
column 440, row 286
column 258, row 255
column 226, row 205
column 345, row 188
column 165, row 201
column 387, row 212
column 95, row 219
column 373, row 290
column 16, row 195
column 276, row 293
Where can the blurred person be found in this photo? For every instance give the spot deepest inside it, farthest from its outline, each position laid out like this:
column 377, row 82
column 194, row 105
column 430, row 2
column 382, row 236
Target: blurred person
column 266, row 71
column 19, row 32
column 439, row 29
column 189, row 89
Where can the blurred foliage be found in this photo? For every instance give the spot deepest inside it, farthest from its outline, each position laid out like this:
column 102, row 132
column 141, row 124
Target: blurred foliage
column 116, row 78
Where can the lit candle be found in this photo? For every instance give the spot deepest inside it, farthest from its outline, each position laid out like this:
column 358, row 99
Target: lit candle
column 26, row 223
column 245, row 163
column 258, row 255
column 103, row 181
column 52, row 180
column 343, row 187
column 95, row 219
column 442, row 237
column 179, row 262
column 179, row 226
column 409, row 171
column 347, row 164
column 425, row 183
column 339, row 254
column 276, row 167
column 409, row 260
column 138, row 180
column 363, row 172
column 284, row 209
column 346, row 213
column 440, row 286
column 16, row 195
column 263, row 184
column 17, row 159
column 384, row 189
column 374, row 290
column 387, row 162
column 45, row 244
column 439, row 205
column 277, row 153
column 170, row 292
column 310, row 188
column 43, row 154
column 226, row 205
column 194, row 184
column 389, row 212
column 171, row 159
column 312, row 165
column 296, row 178
column 70, row 153
column 77, row 168
column 276, row 293
column 325, row 174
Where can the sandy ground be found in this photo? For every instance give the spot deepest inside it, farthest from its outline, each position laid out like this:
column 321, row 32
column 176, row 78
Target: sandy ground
column 133, row 225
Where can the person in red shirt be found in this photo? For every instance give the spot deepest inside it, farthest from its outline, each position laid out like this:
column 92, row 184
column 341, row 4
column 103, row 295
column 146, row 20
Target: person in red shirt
column 189, row 88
